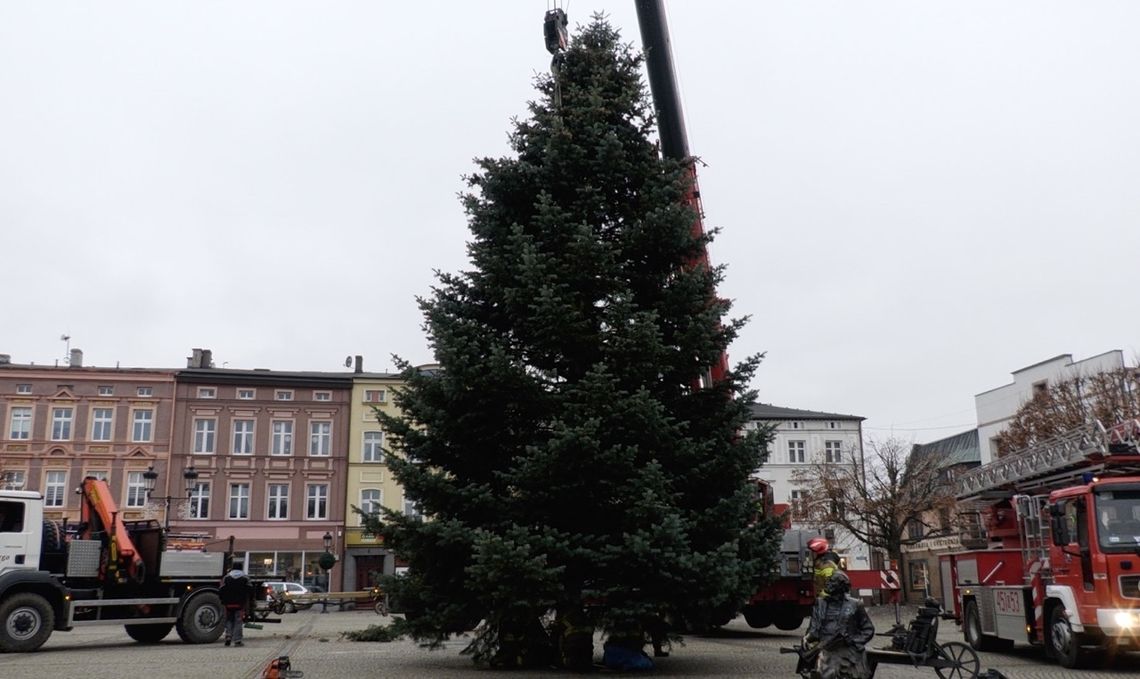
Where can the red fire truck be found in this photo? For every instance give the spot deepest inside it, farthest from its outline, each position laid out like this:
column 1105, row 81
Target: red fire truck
column 1054, row 551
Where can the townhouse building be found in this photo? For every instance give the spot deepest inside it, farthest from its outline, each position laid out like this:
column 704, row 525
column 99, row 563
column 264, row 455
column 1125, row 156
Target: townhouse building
column 804, row 437
column 938, row 533
column 268, row 452
column 370, row 484
column 63, row 423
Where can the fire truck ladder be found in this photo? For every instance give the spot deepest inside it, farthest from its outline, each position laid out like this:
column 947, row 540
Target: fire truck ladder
column 1054, row 462
column 1034, row 527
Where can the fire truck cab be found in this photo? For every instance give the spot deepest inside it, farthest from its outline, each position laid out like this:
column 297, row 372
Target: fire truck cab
column 1055, row 547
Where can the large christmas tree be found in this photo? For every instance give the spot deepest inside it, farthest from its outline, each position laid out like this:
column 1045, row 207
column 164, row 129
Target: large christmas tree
column 567, row 464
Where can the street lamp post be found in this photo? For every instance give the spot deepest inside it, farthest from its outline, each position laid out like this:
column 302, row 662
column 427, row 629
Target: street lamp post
column 326, row 562
column 150, row 477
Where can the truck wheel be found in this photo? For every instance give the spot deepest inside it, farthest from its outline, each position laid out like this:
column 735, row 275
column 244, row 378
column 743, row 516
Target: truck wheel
column 789, row 622
column 1064, row 644
column 26, row 622
column 757, row 616
column 149, row 634
column 201, row 619
column 53, row 540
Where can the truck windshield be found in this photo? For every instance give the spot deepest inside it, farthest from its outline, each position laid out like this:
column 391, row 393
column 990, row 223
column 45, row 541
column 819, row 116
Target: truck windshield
column 1118, row 519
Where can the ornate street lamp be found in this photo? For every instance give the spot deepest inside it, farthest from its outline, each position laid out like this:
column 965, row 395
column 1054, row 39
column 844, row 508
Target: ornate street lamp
column 150, row 478
column 326, row 561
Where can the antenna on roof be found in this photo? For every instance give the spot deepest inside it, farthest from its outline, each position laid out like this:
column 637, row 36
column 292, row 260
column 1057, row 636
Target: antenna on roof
column 67, row 351
column 348, row 361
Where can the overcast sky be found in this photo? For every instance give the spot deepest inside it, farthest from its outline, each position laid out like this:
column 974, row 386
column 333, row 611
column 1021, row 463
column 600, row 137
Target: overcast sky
column 916, row 198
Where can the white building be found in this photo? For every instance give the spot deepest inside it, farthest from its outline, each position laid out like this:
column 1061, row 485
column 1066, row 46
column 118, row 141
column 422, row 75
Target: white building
column 996, row 407
column 803, row 437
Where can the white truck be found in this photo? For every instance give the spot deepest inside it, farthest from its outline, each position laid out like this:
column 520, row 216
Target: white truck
column 101, row 571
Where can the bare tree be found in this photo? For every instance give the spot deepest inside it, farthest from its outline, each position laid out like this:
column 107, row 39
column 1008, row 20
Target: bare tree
column 1107, row 397
column 878, row 497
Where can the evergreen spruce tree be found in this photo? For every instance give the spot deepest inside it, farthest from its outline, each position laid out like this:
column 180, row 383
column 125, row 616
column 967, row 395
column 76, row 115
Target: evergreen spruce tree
column 562, row 457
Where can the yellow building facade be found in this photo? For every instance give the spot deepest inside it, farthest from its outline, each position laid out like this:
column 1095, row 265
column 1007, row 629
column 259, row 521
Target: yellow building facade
column 369, row 483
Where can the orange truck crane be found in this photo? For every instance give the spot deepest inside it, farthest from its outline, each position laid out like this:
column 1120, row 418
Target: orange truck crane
column 102, row 571
column 1054, row 540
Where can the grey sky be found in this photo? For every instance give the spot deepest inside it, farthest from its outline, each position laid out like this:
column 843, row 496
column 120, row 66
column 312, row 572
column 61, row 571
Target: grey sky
column 916, row 197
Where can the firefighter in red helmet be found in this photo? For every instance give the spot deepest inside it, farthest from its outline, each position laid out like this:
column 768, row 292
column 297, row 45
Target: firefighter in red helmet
column 826, row 562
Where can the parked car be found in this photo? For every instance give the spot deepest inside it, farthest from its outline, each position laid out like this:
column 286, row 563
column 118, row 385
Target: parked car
column 288, row 590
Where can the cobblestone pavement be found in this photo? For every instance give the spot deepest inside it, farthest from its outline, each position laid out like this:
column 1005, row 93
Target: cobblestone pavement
column 314, row 643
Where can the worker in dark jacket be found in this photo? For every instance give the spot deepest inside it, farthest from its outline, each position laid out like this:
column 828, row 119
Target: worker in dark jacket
column 235, row 592
column 840, row 630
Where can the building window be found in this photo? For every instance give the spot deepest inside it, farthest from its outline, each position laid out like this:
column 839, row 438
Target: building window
column 278, row 507
column 370, row 499
column 796, row 452
column 20, row 424
column 833, row 451
column 142, row 426
column 246, row 394
column 317, row 502
column 54, row 485
column 61, row 424
column 798, row 500
column 320, row 438
column 1040, row 389
column 200, row 501
column 136, row 489
column 375, row 395
column 914, row 529
column 13, row 479
column 795, row 425
column 322, row 395
column 106, row 390
column 373, row 442
column 100, row 474
column 239, row 501
column 282, row 437
column 833, row 425
column 101, row 424
column 207, row 392
column 145, row 391
column 283, row 395
column 205, row 430
column 243, row 437
column 23, row 388
column 412, row 509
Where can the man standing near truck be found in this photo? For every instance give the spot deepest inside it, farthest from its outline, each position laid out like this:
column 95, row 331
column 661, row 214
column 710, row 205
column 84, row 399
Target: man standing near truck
column 235, row 593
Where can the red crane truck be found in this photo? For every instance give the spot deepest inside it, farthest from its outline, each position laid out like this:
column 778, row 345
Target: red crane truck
column 105, row 571
column 1055, row 558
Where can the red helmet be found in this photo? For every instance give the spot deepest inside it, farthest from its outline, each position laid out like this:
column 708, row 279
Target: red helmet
column 818, row 545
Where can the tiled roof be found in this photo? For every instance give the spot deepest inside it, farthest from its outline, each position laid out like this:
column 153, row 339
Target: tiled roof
column 764, row 411
column 955, row 450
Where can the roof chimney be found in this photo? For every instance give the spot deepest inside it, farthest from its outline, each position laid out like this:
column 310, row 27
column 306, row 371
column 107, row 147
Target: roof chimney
column 359, row 364
column 76, row 360
column 5, row 359
column 200, row 358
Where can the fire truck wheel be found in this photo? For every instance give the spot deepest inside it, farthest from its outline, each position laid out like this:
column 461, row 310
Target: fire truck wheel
column 149, row 634
column 1064, row 644
column 201, row 619
column 26, row 622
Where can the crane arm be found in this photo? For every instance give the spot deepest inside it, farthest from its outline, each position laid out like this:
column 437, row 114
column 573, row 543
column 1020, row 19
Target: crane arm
column 100, row 514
